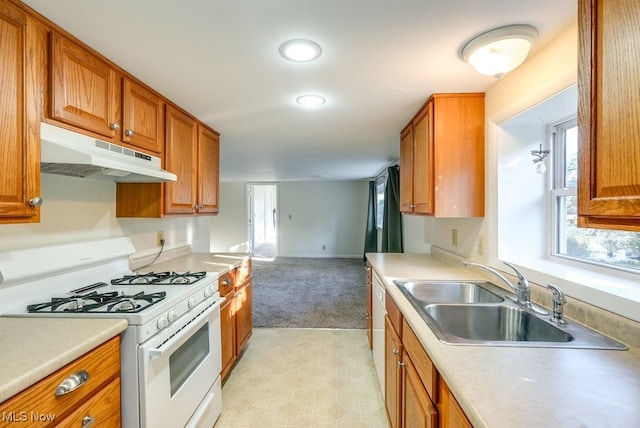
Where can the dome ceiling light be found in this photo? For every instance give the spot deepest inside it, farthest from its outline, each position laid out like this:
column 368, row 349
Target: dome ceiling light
column 311, row 100
column 498, row 51
column 300, row 50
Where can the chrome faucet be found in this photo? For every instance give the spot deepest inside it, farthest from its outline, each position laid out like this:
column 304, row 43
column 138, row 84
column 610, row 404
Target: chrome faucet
column 558, row 302
column 522, row 289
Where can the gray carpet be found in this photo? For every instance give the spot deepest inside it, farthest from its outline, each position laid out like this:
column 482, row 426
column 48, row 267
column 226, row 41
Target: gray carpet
column 309, row 293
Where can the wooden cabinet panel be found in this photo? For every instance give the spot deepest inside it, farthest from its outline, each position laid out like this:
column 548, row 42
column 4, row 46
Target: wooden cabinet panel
column 442, row 157
column 208, row 170
column 451, row 415
column 142, row 117
column 393, row 351
column 406, row 169
column 418, row 411
column 394, row 314
column 609, row 114
column 84, row 89
column 422, row 162
column 424, row 367
column 227, row 335
column 103, row 408
column 21, row 54
column 244, row 317
column 180, row 158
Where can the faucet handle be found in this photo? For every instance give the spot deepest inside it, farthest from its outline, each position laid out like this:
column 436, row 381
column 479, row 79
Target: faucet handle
column 558, row 302
column 521, row 279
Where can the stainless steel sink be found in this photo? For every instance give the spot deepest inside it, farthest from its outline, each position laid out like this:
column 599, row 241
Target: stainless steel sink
column 493, row 323
column 451, row 291
column 477, row 313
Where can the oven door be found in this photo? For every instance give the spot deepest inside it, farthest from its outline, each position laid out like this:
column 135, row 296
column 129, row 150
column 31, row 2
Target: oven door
column 178, row 370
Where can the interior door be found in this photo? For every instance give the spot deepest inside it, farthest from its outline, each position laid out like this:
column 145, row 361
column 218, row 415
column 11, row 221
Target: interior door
column 262, row 219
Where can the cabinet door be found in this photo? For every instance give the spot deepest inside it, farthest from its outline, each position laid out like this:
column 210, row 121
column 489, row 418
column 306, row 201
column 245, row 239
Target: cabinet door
column 406, row 169
column 84, row 89
column 208, row 170
column 142, row 117
column 19, row 116
column 417, row 409
column 227, row 334
column 243, row 315
column 423, row 161
column 451, row 415
column 180, row 158
column 393, row 376
column 609, row 114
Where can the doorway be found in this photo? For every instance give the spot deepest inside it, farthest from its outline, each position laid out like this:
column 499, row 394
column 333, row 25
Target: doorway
column 262, row 220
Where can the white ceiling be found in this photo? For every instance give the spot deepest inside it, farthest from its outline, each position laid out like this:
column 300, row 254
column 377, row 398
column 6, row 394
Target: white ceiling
column 219, row 60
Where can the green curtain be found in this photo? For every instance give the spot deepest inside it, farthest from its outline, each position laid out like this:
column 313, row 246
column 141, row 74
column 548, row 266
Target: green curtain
column 371, row 234
column 392, row 220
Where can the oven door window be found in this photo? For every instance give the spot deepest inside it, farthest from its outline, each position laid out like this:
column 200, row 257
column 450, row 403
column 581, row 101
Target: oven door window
column 186, row 359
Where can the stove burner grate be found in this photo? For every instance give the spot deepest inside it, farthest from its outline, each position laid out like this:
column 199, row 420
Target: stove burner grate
column 160, row 278
column 99, row 303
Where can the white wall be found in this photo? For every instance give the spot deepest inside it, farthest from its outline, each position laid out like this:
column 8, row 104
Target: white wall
column 229, row 227
column 76, row 210
column 313, row 214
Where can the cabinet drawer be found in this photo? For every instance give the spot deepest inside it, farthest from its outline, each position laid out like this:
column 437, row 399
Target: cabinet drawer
column 104, row 408
column 243, row 272
column 102, row 364
column 226, row 283
column 424, row 367
column 394, row 314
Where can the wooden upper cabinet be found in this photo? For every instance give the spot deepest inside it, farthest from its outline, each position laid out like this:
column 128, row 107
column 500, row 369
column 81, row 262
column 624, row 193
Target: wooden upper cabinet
column 22, row 53
column 208, row 170
column 180, row 158
column 609, row 114
column 422, row 161
column 406, row 169
column 142, row 117
column 85, row 90
column 443, row 158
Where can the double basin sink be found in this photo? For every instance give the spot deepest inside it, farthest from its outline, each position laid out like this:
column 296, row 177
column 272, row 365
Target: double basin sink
column 481, row 313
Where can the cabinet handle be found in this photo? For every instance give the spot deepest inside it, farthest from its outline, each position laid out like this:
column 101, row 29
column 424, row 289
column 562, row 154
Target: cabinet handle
column 35, row 202
column 88, row 421
column 114, row 126
column 129, row 132
column 71, row 383
column 401, row 364
column 226, row 282
column 395, row 352
column 201, row 207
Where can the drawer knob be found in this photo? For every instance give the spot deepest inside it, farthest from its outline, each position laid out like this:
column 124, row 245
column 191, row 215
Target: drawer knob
column 35, row 202
column 88, row 421
column 73, row 382
column 129, row 132
column 114, row 126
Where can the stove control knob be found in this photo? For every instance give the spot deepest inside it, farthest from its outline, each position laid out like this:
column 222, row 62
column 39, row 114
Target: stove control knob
column 208, row 292
column 191, row 302
column 162, row 323
column 172, row 316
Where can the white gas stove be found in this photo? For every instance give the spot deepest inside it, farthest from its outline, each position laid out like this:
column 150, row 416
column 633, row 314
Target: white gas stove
column 171, row 349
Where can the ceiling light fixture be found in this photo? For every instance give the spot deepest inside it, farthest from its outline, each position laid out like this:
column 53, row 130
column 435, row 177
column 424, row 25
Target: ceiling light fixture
column 497, row 52
column 311, row 100
column 300, row 50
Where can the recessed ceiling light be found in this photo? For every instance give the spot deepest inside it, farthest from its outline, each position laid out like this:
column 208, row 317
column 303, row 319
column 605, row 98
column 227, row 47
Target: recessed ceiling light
column 311, row 100
column 300, row 50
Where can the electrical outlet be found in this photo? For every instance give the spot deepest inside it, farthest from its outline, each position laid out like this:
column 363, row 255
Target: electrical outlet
column 454, row 237
column 160, row 238
column 481, row 245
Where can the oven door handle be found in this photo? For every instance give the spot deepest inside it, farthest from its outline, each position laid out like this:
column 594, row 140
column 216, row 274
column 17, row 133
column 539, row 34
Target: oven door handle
column 188, row 329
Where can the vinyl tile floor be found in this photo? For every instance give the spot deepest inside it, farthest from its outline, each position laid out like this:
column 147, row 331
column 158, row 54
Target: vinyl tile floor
column 321, row 378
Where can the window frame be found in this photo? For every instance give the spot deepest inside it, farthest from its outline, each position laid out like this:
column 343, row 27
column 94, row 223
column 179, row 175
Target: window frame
column 381, row 183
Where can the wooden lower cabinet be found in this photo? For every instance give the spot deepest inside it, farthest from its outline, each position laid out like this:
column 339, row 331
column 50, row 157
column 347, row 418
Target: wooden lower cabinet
column 416, row 396
column 236, row 320
column 98, row 399
column 417, row 410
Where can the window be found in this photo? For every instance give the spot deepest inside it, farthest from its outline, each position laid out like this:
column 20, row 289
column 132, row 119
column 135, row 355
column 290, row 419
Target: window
column 620, row 249
column 380, row 185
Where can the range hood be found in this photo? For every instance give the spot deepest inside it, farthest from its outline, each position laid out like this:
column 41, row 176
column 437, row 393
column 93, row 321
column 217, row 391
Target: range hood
column 69, row 153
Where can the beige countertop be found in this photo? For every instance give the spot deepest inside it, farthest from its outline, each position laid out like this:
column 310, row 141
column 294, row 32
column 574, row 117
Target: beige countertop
column 219, row 263
column 33, row 348
column 524, row 387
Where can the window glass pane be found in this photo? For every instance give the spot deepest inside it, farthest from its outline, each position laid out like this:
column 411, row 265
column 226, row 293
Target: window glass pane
column 597, row 245
column 571, row 157
column 379, row 202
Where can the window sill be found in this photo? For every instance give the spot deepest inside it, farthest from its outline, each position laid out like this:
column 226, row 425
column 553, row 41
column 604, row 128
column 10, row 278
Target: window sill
column 612, row 290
